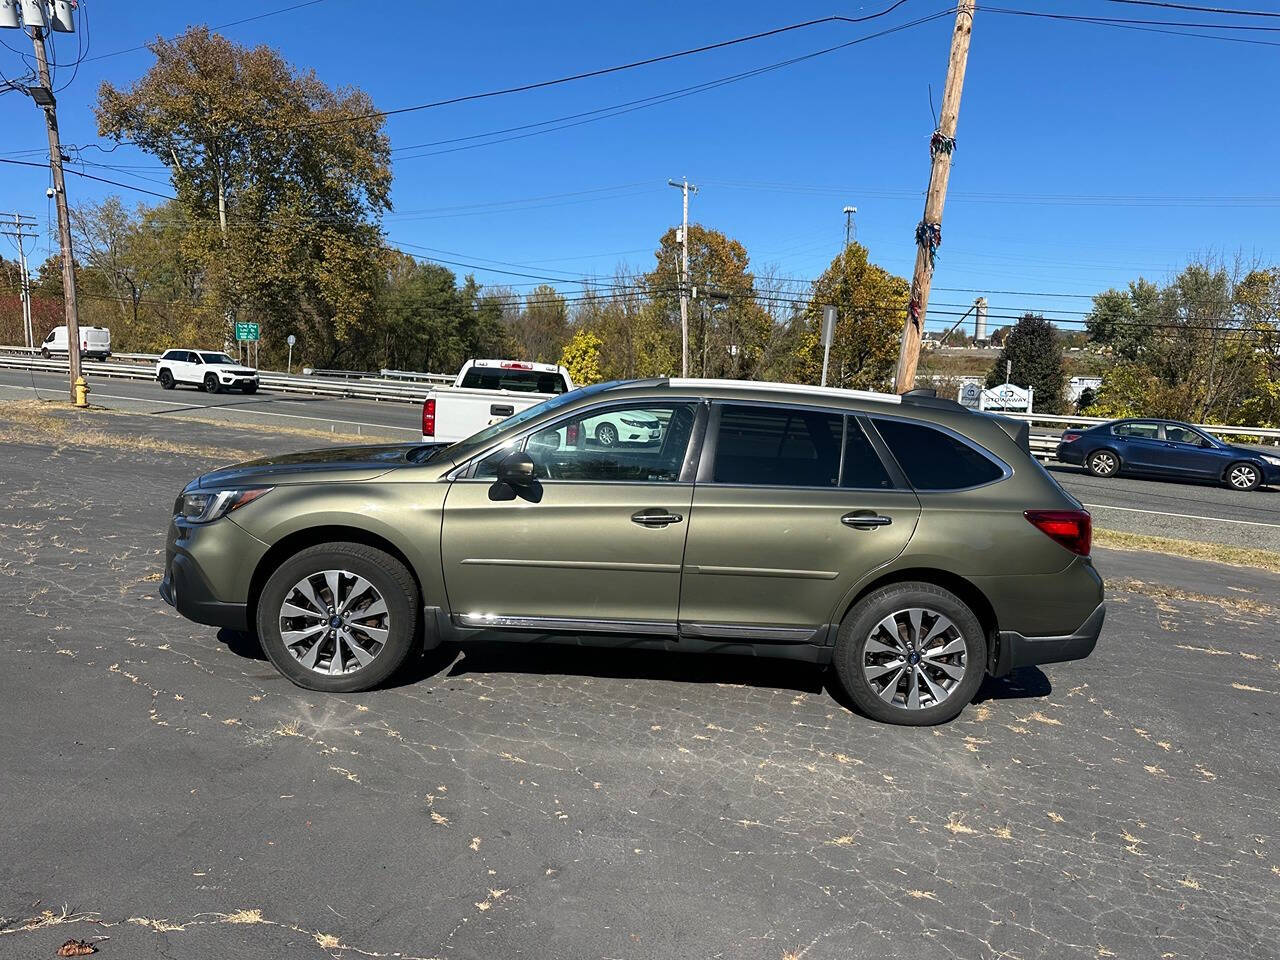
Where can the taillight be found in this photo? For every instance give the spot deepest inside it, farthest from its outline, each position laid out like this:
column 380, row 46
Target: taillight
column 429, row 417
column 1070, row 437
column 1071, row 528
column 571, row 435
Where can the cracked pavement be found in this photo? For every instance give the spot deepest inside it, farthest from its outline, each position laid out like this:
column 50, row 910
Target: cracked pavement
column 165, row 790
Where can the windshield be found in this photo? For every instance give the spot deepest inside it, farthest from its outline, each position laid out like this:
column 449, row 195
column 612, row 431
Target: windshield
column 215, row 358
column 478, row 441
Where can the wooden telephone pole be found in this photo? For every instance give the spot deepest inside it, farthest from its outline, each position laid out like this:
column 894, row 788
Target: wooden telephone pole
column 929, row 232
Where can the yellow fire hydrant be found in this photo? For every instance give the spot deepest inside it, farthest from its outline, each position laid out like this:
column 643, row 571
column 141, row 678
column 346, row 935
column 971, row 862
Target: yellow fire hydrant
column 82, row 392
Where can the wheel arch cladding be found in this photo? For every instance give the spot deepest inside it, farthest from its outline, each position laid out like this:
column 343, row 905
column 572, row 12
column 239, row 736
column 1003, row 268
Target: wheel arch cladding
column 968, row 593
column 300, row 540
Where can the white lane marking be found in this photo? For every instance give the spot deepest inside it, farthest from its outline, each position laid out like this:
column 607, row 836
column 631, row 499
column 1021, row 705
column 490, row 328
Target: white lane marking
column 229, row 408
column 1180, row 516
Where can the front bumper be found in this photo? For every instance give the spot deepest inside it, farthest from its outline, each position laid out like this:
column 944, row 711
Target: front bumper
column 230, row 380
column 1014, row 650
column 207, row 571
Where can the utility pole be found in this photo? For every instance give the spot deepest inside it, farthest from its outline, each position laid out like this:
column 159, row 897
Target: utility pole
column 23, row 227
column 849, row 232
column 44, row 97
column 685, row 187
column 929, row 231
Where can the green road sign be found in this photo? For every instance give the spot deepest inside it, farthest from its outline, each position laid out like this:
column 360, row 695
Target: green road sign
column 246, row 331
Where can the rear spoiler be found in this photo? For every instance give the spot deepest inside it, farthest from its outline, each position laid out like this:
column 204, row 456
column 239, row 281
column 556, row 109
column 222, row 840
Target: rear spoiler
column 1018, row 430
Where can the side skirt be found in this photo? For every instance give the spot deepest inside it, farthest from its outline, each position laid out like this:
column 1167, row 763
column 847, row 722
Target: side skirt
column 787, row 643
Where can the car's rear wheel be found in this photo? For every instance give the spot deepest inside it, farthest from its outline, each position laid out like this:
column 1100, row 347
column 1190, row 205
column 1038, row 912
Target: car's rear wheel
column 1243, row 476
column 911, row 654
column 44, row 352
column 211, row 384
column 338, row 617
column 1102, row 463
column 606, row 434
column 166, row 380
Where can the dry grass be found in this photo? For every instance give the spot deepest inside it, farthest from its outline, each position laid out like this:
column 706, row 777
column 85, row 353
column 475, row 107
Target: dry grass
column 59, row 423
column 1234, row 556
column 1162, row 592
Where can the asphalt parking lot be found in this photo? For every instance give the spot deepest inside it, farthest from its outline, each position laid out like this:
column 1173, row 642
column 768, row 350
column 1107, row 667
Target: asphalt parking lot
column 166, row 790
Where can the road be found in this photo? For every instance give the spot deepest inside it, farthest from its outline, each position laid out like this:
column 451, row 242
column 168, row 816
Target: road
column 166, row 789
column 1206, row 513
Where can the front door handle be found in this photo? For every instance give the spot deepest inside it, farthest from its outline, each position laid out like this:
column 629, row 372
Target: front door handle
column 655, row 517
column 865, row 521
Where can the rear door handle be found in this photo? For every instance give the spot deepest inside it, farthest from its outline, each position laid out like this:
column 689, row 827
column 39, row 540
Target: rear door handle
column 655, row 517
column 865, row 521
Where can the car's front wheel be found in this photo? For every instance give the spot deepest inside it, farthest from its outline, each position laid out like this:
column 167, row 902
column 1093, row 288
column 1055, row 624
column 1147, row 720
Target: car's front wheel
column 1243, row 476
column 166, row 380
column 911, row 654
column 1102, row 463
column 250, row 388
column 339, row 617
column 606, row 435
column 211, row 384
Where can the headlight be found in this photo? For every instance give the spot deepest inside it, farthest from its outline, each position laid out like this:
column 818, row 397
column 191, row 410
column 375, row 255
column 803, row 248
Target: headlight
column 206, row 506
column 1274, row 461
column 642, row 424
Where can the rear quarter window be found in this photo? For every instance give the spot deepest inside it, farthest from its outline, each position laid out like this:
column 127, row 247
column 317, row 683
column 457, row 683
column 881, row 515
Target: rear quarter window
column 935, row 460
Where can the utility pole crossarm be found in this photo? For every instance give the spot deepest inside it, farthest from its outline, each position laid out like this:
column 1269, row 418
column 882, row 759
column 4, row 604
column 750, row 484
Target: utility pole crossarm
column 929, row 232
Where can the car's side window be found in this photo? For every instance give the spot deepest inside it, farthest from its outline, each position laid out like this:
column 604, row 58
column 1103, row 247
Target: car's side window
column 1181, row 435
column 935, row 460
column 777, row 446
column 644, row 442
column 1137, row 431
column 863, row 469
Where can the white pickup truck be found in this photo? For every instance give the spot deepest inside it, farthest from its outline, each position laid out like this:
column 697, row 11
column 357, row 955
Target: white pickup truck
column 485, row 392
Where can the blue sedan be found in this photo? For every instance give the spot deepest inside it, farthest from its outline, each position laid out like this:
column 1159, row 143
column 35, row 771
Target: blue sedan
column 1166, row 448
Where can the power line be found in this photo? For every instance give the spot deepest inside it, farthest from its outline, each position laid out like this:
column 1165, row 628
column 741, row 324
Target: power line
column 630, row 106
column 89, row 176
column 1197, row 9
column 1105, row 22
column 221, row 26
column 602, row 71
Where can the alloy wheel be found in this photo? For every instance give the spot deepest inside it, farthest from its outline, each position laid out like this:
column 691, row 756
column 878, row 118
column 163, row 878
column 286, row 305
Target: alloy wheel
column 1243, row 477
column 914, row 658
column 1104, row 463
column 607, row 435
column 334, row 622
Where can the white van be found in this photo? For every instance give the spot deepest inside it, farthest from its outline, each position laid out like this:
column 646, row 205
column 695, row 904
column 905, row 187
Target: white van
column 95, row 343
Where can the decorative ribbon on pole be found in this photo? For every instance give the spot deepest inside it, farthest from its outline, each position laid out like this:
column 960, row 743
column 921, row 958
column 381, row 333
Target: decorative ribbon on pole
column 941, row 144
column 913, row 308
column 929, row 236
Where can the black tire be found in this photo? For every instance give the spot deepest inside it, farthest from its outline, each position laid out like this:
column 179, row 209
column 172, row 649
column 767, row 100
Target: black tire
column 389, row 577
column 1102, row 463
column 1242, row 475
column 250, row 388
column 166, row 380
column 211, row 384
column 606, row 435
column 44, row 352
column 856, row 634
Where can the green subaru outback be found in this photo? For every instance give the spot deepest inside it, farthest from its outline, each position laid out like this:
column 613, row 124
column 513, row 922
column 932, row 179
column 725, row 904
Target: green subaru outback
column 912, row 543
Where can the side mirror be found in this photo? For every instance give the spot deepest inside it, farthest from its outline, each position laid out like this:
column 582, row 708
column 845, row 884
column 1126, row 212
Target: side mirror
column 516, row 470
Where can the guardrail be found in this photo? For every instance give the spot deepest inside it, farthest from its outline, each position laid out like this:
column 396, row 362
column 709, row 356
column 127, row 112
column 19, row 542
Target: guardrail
column 391, row 385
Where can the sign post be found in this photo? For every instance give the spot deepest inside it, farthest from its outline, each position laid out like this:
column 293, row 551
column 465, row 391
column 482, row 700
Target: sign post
column 828, row 334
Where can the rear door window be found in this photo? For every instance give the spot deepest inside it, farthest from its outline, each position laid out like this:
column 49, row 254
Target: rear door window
column 935, row 460
column 778, row 446
column 1139, row 430
column 863, row 469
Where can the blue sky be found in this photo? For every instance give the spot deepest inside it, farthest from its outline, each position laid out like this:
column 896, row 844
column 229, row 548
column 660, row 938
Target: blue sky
column 1151, row 148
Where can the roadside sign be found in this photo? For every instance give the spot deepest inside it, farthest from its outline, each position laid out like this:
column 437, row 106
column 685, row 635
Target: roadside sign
column 828, row 326
column 291, row 339
column 971, row 395
column 246, row 331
